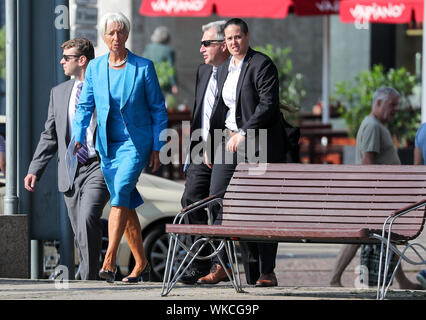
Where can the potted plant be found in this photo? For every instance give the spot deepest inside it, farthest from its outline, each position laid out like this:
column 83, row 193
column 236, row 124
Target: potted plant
column 165, row 72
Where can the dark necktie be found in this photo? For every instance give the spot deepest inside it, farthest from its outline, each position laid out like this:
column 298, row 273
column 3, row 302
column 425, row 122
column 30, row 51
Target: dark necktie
column 83, row 152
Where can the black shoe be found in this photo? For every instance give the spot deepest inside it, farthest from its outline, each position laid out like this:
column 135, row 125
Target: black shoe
column 191, row 276
column 107, row 275
column 143, row 274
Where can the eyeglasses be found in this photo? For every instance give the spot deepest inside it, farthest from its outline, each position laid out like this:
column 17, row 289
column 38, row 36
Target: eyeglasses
column 69, row 56
column 207, row 43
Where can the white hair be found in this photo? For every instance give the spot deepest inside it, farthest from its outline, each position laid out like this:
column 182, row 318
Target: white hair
column 383, row 94
column 219, row 27
column 118, row 17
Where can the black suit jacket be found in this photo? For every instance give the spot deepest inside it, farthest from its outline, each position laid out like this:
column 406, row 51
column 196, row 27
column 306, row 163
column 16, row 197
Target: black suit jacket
column 257, row 104
column 203, row 77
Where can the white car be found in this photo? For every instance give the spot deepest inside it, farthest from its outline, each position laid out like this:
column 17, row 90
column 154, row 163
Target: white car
column 161, row 204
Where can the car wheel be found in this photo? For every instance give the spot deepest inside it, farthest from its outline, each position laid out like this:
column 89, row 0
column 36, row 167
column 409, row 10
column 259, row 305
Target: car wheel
column 156, row 244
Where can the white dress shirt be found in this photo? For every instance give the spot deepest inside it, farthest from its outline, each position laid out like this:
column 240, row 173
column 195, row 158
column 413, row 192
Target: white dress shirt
column 207, row 108
column 90, row 130
column 229, row 93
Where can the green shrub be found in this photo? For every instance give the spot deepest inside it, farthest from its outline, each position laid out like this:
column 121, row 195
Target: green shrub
column 165, row 72
column 355, row 101
column 3, row 52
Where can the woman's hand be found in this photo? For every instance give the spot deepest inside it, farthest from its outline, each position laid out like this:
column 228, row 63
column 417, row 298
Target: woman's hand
column 154, row 161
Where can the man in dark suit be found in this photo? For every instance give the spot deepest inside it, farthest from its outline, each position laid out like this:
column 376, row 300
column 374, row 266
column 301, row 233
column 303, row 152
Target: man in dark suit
column 86, row 195
column 249, row 99
column 198, row 172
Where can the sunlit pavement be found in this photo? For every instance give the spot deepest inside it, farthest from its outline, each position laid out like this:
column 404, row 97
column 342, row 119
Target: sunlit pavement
column 303, row 272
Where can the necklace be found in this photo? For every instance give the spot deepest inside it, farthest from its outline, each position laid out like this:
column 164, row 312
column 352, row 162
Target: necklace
column 118, row 64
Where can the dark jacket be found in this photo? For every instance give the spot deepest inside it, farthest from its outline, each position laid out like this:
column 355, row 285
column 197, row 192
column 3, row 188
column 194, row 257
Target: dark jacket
column 257, row 105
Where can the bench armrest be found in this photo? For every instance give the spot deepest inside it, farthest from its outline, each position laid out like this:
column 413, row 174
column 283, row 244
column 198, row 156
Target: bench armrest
column 196, row 206
column 198, row 203
column 409, row 208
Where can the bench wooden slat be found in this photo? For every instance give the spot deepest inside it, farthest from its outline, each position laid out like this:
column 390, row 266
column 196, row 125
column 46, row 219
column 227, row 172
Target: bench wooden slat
column 324, row 183
column 408, row 231
column 327, row 168
column 313, row 212
column 314, row 225
column 290, row 235
column 313, row 205
column 336, row 176
column 322, row 190
column 319, row 219
column 320, row 197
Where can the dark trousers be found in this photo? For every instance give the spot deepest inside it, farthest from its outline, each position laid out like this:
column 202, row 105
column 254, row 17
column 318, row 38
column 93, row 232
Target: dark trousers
column 258, row 257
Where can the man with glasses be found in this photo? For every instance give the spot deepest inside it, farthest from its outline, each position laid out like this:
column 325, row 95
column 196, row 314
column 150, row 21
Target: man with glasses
column 198, row 167
column 84, row 189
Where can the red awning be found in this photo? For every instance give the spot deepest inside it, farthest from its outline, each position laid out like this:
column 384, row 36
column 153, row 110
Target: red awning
column 253, row 8
column 381, row 11
column 315, row 7
column 176, row 8
column 225, row 8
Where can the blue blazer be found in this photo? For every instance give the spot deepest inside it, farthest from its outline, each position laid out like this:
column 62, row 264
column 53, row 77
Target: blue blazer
column 142, row 104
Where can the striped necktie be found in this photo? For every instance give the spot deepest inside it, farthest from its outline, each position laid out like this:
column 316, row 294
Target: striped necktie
column 83, row 152
column 209, row 102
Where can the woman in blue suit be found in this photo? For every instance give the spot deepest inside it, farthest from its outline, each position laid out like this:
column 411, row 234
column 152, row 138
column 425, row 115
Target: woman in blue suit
column 131, row 113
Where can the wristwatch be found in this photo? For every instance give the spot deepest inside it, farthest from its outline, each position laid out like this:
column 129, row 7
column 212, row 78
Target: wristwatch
column 243, row 132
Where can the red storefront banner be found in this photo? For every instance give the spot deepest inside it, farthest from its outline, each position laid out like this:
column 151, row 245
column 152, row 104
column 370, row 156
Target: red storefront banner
column 176, row 8
column 381, row 11
column 315, row 7
column 225, row 8
column 277, row 9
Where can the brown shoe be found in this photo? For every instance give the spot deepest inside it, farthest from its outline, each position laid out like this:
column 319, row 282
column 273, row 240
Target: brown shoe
column 215, row 276
column 267, row 280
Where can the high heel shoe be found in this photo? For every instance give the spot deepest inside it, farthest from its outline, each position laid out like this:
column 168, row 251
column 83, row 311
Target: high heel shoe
column 143, row 275
column 107, row 275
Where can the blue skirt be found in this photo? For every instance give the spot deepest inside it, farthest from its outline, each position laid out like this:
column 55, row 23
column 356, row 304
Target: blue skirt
column 121, row 169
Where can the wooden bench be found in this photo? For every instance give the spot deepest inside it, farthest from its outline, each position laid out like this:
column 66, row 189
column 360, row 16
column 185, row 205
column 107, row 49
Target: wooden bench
column 310, row 203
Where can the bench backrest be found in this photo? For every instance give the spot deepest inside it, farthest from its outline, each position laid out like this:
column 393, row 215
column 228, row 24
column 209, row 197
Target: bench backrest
column 310, row 196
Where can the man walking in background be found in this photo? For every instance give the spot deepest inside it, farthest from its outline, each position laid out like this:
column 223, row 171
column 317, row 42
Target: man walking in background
column 374, row 145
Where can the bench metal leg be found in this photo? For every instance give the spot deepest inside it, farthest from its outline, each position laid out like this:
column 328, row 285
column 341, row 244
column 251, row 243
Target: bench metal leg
column 381, row 294
column 171, row 278
column 233, row 260
column 234, row 277
column 387, row 245
column 382, row 286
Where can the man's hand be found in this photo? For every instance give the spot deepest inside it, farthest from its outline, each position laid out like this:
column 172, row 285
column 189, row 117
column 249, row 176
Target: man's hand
column 206, row 160
column 154, row 161
column 234, row 142
column 77, row 146
column 30, row 182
